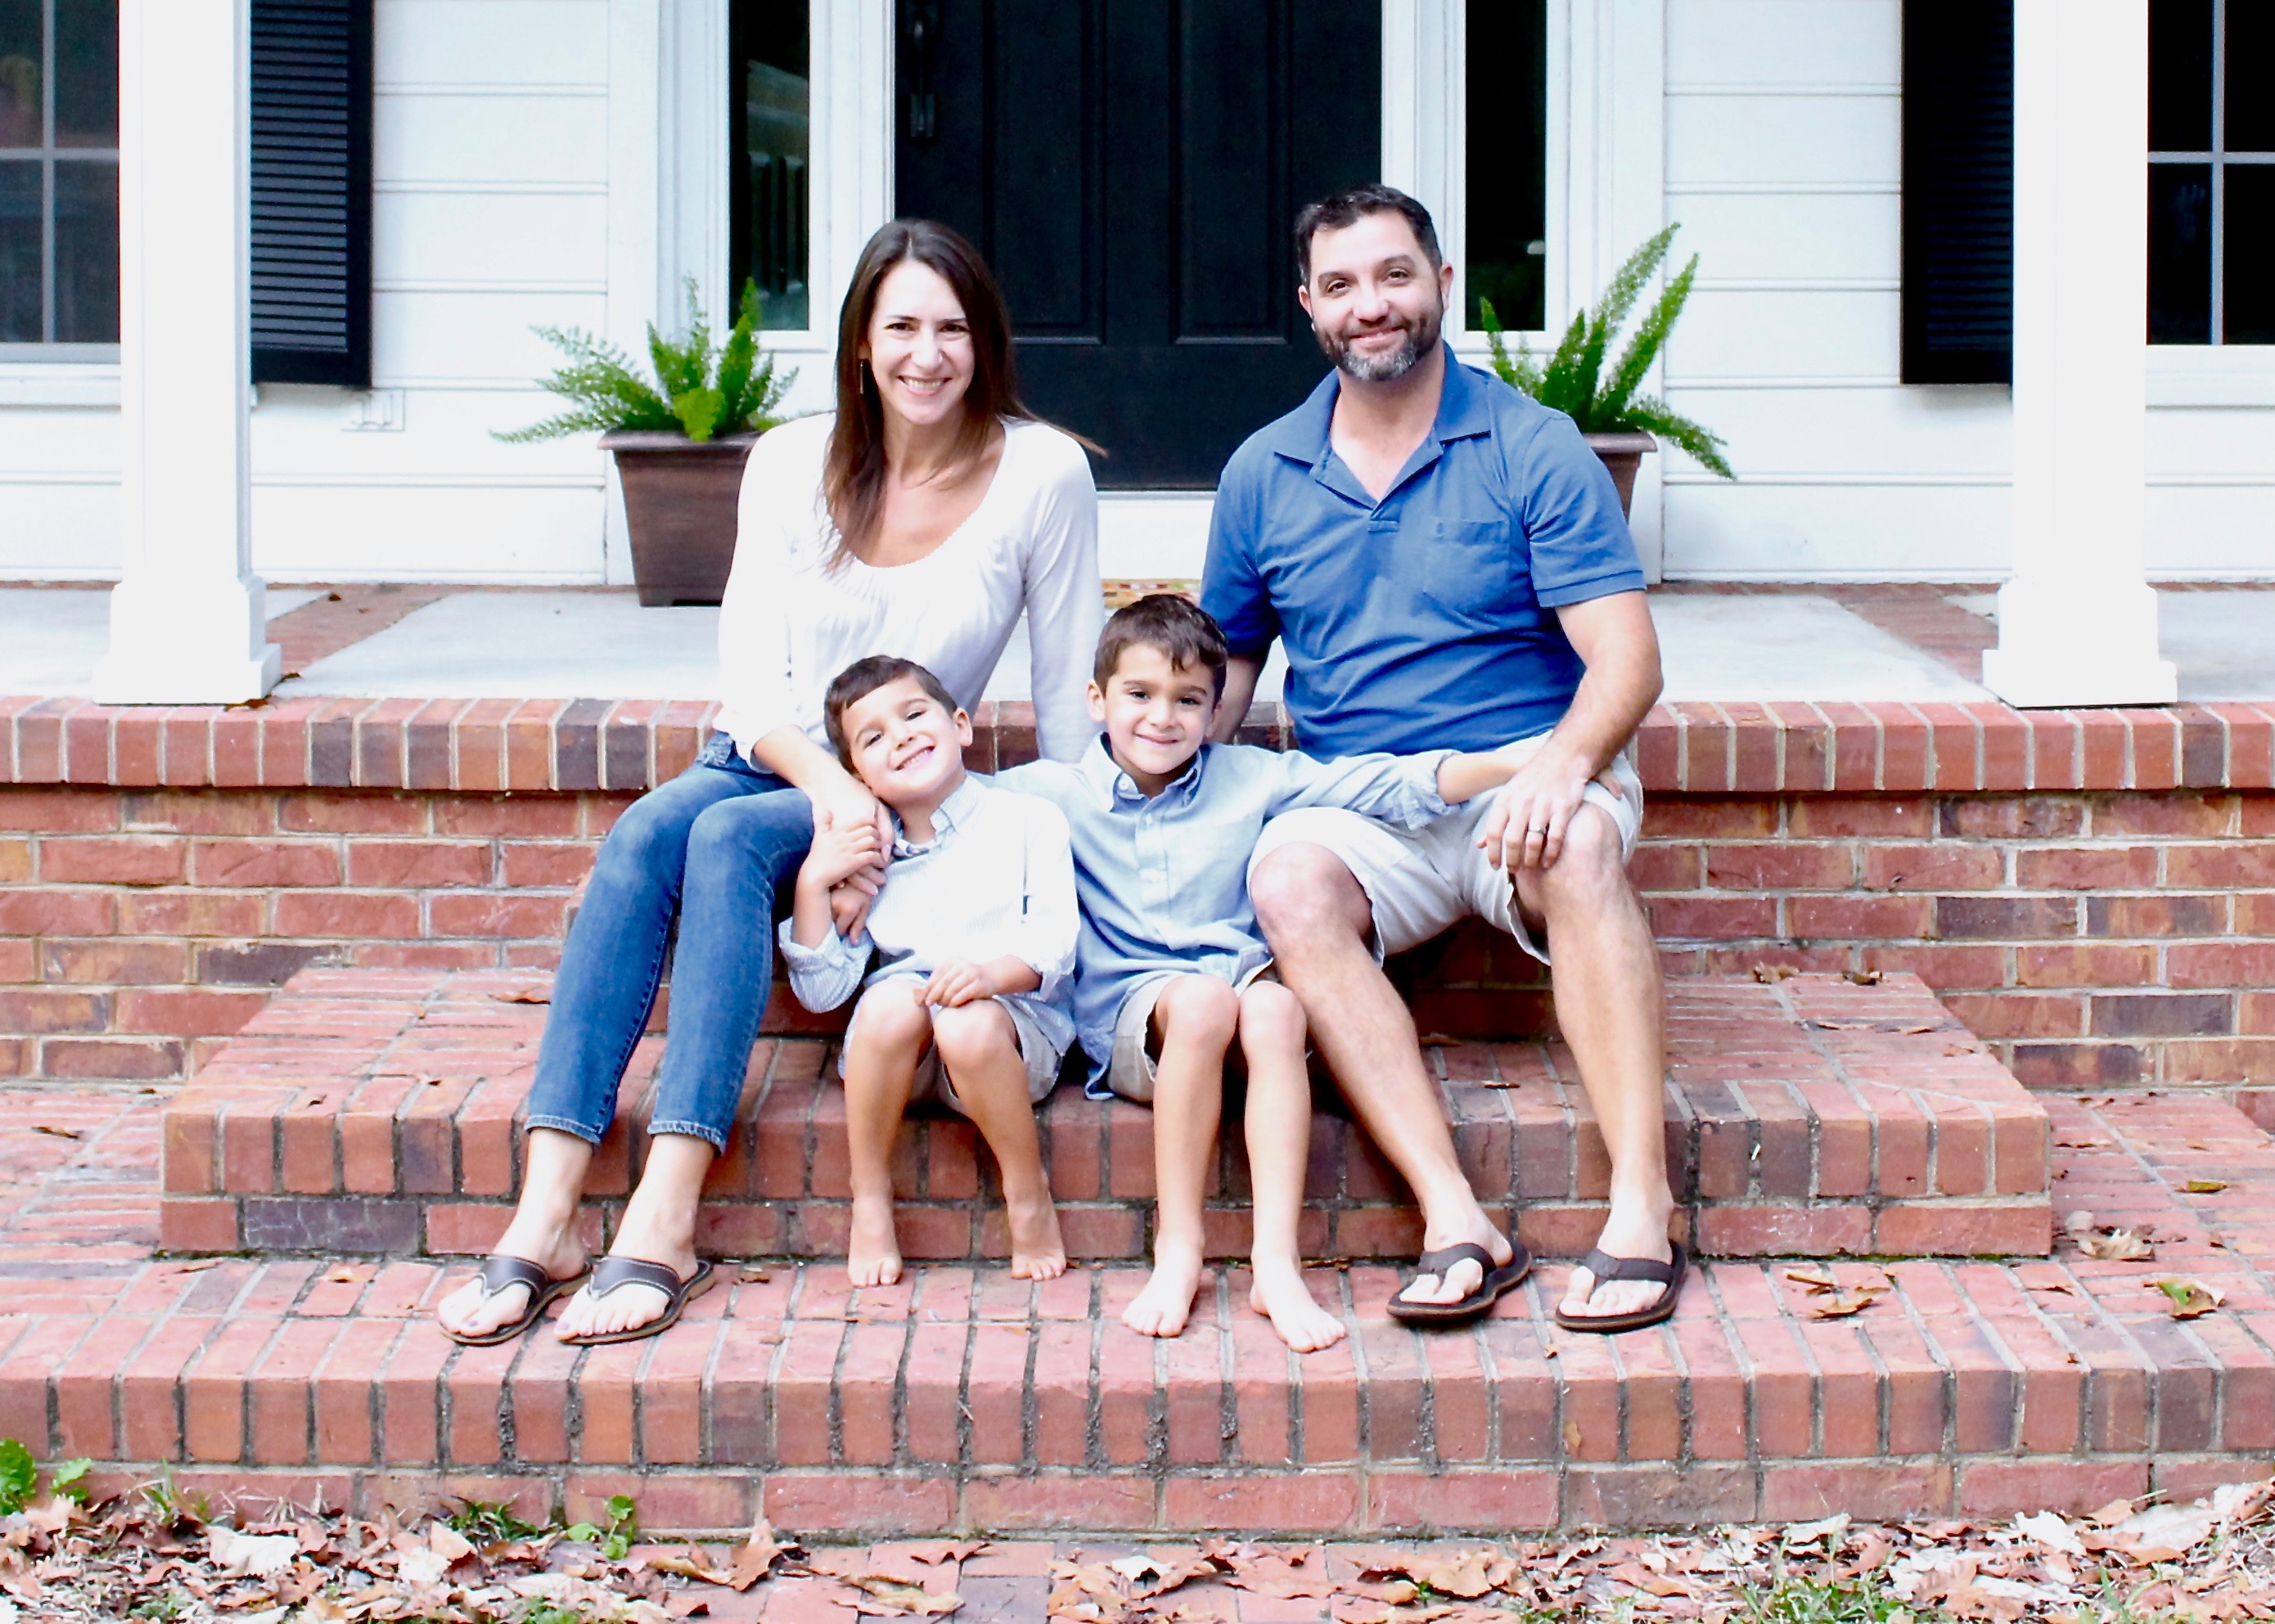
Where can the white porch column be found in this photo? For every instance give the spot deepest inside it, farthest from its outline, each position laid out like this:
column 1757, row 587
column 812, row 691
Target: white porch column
column 187, row 619
column 2077, row 623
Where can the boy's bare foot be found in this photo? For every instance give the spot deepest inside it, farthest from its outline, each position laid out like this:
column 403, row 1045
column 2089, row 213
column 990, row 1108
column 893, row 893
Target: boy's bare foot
column 1038, row 1250
column 1167, row 1302
column 872, row 1252
column 1280, row 1296
column 469, row 1311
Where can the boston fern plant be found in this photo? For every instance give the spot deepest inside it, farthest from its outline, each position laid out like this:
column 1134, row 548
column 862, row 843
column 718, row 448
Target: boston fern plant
column 700, row 391
column 1571, row 380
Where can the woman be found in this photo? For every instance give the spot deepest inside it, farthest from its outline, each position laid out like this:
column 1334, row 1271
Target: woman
column 919, row 520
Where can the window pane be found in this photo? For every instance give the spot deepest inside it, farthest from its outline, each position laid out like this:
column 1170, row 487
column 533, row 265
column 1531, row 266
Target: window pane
column 2251, row 55
column 1507, row 220
column 772, row 209
column 2179, row 75
column 19, row 73
column 2179, row 253
column 86, row 252
column 86, row 72
column 20, row 253
column 2248, row 237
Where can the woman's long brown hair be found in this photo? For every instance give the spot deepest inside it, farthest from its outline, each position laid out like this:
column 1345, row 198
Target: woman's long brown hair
column 853, row 481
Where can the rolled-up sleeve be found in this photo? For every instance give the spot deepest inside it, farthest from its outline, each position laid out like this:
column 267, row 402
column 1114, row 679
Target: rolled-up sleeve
column 754, row 640
column 1050, row 918
column 824, row 977
column 1065, row 606
column 1401, row 789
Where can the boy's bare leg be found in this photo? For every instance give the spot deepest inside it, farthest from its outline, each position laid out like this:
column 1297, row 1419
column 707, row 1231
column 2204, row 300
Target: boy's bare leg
column 1194, row 1018
column 1278, row 1124
column 1316, row 916
column 659, row 1226
column 980, row 1048
column 889, row 1038
column 543, row 1231
column 1609, row 1007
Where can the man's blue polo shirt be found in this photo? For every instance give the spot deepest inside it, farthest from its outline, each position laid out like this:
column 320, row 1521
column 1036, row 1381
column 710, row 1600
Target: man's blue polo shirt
column 1427, row 620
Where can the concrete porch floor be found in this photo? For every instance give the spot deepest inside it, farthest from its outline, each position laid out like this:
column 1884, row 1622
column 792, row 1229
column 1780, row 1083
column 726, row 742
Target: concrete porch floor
column 1818, row 642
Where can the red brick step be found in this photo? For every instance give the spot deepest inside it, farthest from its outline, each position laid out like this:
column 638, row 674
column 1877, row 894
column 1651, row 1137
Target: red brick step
column 376, row 1112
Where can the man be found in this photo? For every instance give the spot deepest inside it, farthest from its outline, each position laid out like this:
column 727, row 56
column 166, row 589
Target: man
column 1447, row 565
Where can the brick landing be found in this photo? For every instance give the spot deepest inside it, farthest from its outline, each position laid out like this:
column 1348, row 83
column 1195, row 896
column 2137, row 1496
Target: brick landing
column 963, row 1399
column 376, row 1112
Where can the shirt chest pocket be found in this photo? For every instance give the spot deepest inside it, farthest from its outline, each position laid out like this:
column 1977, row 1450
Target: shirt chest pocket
column 1470, row 567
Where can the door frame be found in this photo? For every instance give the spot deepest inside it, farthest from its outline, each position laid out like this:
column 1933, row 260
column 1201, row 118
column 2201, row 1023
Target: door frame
column 667, row 174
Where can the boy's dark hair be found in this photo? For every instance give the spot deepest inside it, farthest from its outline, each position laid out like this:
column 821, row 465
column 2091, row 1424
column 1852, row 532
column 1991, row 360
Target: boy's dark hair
column 856, row 682
column 1185, row 633
column 1352, row 204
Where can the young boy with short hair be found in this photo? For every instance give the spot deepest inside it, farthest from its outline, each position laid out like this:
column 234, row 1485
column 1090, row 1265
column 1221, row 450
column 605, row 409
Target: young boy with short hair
column 975, row 934
column 1171, row 960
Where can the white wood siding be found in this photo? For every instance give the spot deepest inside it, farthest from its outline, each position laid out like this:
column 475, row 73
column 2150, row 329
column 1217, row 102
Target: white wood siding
column 498, row 209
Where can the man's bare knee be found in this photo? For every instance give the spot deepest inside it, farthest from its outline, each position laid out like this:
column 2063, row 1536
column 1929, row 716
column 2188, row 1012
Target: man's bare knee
column 1590, row 871
column 1300, row 890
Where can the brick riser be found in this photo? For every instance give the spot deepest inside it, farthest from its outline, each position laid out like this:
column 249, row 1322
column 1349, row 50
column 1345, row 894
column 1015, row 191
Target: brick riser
column 963, row 1399
column 369, row 1112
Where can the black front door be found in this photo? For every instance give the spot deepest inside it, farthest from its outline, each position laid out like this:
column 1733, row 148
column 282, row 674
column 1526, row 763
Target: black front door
column 1131, row 169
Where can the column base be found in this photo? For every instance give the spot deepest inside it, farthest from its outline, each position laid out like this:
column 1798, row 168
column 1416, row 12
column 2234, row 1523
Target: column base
column 2076, row 680
column 174, row 643
column 2086, row 641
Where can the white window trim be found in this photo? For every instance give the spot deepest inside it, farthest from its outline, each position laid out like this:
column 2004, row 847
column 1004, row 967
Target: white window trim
column 65, row 380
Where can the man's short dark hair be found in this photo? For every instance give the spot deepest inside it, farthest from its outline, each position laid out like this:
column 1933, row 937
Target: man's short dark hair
column 856, row 682
column 1352, row 204
column 1185, row 633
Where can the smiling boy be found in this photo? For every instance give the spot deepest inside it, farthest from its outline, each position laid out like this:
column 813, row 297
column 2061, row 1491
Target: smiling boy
column 1171, row 963
column 975, row 935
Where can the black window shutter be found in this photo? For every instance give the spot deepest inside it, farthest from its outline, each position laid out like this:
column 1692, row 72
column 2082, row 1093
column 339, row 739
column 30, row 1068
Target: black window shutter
column 311, row 192
column 1959, row 192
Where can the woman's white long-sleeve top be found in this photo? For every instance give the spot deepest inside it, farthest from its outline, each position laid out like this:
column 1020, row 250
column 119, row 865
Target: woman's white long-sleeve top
column 787, row 627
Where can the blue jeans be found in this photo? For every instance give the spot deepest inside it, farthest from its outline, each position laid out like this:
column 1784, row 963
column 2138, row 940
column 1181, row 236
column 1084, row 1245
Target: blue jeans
column 716, row 846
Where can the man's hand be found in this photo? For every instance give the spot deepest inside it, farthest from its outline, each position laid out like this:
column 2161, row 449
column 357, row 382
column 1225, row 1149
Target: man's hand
column 1525, row 825
column 959, row 982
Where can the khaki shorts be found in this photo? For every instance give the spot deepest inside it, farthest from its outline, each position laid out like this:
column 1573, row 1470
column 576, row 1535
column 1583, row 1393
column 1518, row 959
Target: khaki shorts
column 1420, row 882
column 1129, row 1072
column 1043, row 1057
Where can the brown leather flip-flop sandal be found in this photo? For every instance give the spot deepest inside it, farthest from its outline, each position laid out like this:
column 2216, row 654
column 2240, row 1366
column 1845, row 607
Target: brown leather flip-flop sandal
column 1499, row 1279
column 502, row 1273
column 1605, row 1267
column 611, row 1273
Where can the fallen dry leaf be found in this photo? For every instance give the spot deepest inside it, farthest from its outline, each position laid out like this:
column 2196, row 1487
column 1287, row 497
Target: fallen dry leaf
column 758, row 1555
column 2204, row 1187
column 1861, row 978
column 60, row 1133
column 1816, row 1276
column 524, row 995
column 1840, row 1304
column 751, row 1274
column 2190, row 1299
column 2111, row 1245
column 896, row 1598
column 1773, row 973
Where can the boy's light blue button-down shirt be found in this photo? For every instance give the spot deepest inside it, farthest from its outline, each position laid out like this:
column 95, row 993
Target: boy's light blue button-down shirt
column 1164, row 879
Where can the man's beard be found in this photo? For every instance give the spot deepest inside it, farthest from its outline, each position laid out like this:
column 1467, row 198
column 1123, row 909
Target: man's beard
column 1421, row 337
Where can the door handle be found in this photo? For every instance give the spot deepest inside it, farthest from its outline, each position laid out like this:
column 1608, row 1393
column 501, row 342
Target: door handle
column 923, row 57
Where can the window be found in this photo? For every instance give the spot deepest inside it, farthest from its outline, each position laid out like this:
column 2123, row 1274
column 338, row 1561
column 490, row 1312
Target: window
column 769, row 204
column 1505, row 255
column 2211, row 172
column 58, row 172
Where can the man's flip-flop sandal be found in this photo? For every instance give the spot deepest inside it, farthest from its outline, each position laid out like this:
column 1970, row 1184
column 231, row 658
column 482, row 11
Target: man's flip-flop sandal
column 503, row 1273
column 610, row 1272
column 1499, row 1278
column 1606, row 1268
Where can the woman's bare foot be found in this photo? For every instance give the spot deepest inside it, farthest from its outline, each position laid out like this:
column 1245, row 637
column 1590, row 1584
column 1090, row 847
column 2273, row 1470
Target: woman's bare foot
column 629, row 1306
column 1037, row 1252
column 1281, row 1296
column 554, row 1247
column 1167, row 1302
column 873, row 1251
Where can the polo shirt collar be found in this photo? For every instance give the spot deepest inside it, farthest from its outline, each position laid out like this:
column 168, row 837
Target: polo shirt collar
column 1463, row 413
